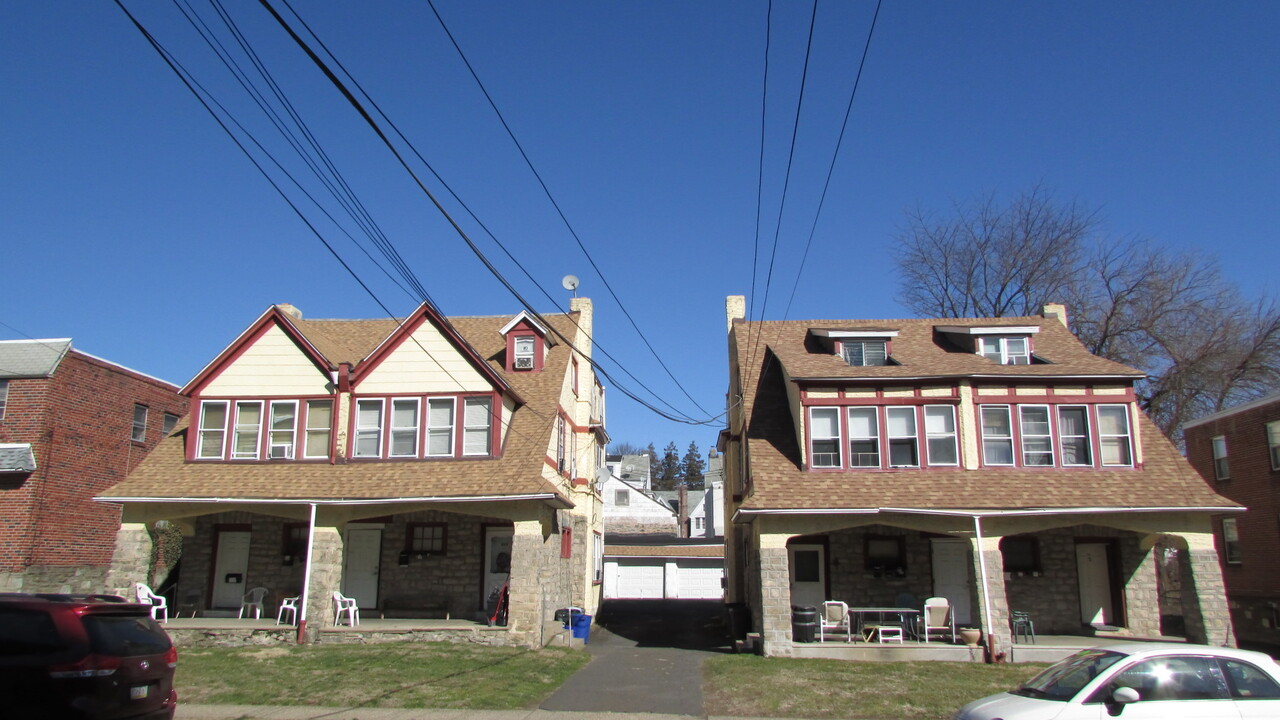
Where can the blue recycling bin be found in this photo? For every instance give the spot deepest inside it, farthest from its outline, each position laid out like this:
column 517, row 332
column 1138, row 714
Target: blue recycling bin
column 582, row 627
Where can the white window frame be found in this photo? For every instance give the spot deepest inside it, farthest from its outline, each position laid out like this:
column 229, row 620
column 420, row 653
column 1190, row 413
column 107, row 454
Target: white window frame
column 470, row 429
column 169, row 423
column 4, row 397
column 139, row 431
column 1087, row 437
column 315, row 431
column 283, row 439
column 206, row 432
column 1231, row 550
column 855, row 352
column 814, row 438
column 873, row 438
column 402, row 432
column 365, row 431
column 1004, row 440
column 997, row 348
column 947, row 436
column 891, row 439
column 244, row 429
column 1046, row 436
column 436, row 430
column 524, row 346
column 622, row 498
column 1126, row 437
column 1221, row 465
column 1273, row 443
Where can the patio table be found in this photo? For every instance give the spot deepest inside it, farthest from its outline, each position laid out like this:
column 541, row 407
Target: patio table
column 879, row 613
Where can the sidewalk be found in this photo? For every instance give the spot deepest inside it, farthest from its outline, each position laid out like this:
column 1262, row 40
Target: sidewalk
column 252, row 712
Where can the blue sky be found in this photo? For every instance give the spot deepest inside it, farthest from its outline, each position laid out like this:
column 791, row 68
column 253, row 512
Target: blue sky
column 134, row 226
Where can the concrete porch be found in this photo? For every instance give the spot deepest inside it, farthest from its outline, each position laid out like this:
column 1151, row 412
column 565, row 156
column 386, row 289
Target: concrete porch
column 238, row 632
column 1046, row 649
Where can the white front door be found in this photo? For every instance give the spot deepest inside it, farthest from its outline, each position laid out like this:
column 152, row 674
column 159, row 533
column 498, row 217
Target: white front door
column 1094, row 572
column 231, row 569
column 497, row 560
column 808, row 574
column 951, row 578
column 361, row 565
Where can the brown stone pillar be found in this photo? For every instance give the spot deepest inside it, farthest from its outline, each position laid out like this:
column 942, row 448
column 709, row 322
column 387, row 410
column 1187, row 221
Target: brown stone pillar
column 1204, row 596
column 326, row 577
column 129, row 561
column 775, row 595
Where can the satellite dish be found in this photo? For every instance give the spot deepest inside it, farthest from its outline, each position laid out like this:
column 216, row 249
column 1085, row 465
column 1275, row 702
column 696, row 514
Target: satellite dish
column 570, row 282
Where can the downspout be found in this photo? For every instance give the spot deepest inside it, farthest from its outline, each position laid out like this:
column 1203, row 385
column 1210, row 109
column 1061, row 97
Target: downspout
column 986, row 590
column 306, row 578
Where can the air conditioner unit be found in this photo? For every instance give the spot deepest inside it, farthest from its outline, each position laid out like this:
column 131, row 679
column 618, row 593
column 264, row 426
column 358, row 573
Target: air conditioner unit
column 283, row 450
column 524, row 362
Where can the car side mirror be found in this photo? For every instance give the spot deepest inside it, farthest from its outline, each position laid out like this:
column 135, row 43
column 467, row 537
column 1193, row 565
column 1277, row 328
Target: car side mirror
column 1125, row 695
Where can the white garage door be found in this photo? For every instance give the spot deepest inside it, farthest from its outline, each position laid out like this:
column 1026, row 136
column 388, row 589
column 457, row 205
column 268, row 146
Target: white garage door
column 699, row 583
column 636, row 582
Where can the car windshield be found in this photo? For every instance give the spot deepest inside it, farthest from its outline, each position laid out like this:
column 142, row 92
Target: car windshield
column 1063, row 680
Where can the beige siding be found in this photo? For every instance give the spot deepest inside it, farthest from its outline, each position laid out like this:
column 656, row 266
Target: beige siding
column 272, row 367
column 424, row 363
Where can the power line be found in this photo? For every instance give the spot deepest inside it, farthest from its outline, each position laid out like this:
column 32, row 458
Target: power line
column 786, row 183
column 364, row 114
column 412, row 148
column 559, row 211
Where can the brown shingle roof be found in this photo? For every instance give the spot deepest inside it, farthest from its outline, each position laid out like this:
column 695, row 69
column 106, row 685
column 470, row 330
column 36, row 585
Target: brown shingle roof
column 921, row 351
column 779, row 482
column 165, row 474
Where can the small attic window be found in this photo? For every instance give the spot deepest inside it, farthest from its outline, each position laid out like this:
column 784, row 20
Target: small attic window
column 865, row 352
column 1008, row 350
column 523, row 352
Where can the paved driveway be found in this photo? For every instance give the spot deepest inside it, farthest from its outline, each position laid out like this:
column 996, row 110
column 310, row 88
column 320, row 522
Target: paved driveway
column 646, row 657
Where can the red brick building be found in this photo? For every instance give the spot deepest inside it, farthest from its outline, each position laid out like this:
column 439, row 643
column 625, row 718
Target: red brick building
column 71, row 426
column 1238, row 453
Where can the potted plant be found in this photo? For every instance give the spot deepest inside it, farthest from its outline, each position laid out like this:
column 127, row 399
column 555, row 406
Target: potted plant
column 970, row 635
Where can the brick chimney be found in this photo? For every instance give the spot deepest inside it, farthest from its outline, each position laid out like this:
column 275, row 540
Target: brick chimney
column 735, row 308
column 1056, row 310
column 289, row 310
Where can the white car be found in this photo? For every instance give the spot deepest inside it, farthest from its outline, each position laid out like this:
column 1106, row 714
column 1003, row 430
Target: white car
column 1137, row 681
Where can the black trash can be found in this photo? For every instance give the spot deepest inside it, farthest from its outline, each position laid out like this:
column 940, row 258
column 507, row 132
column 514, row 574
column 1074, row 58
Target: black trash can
column 804, row 623
column 739, row 620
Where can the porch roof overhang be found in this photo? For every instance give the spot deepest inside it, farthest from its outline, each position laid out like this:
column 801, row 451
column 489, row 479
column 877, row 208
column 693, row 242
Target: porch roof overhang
column 742, row 515
column 553, row 499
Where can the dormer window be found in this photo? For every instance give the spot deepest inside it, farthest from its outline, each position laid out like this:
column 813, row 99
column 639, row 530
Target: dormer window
column 865, row 352
column 1005, row 350
column 523, row 352
column 527, row 343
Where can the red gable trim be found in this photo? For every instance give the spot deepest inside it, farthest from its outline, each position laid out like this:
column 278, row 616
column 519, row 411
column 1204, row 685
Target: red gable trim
column 401, row 334
column 273, row 317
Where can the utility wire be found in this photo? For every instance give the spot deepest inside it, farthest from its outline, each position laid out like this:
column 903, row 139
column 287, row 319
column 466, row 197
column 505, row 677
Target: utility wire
column 364, row 114
column 559, row 211
column 409, row 144
column 844, row 126
column 786, row 183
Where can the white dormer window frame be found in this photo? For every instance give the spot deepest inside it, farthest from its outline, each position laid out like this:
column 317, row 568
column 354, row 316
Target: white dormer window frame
column 865, row 353
column 524, row 351
column 1005, row 349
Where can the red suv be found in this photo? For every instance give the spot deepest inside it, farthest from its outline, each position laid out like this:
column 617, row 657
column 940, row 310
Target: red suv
column 90, row 657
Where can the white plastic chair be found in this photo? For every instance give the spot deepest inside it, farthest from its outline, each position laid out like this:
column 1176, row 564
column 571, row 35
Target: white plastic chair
column 343, row 604
column 252, row 600
column 159, row 606
column 835, row 615
column 288, row 605
column 937, row 616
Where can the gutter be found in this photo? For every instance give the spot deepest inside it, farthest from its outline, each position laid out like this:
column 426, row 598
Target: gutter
column 562, row 502
column 740, row 513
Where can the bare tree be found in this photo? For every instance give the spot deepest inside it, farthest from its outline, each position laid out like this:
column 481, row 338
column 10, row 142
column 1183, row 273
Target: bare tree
column 1203, row 346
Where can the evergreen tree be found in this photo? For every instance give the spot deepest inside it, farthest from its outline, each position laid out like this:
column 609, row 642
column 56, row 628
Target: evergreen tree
column 653, row 460
column 666, row 476
column 691, row 468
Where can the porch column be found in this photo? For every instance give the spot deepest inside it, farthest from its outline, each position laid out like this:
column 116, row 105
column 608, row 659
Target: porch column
column 531, row 576
column 775, row 595
column 326, row 577
column 130, row 560
column 1204, row 597
column 993, row 604
column 1141, row 589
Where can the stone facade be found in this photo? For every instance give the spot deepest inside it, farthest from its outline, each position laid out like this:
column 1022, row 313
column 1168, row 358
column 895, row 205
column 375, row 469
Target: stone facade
column 130, row 561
